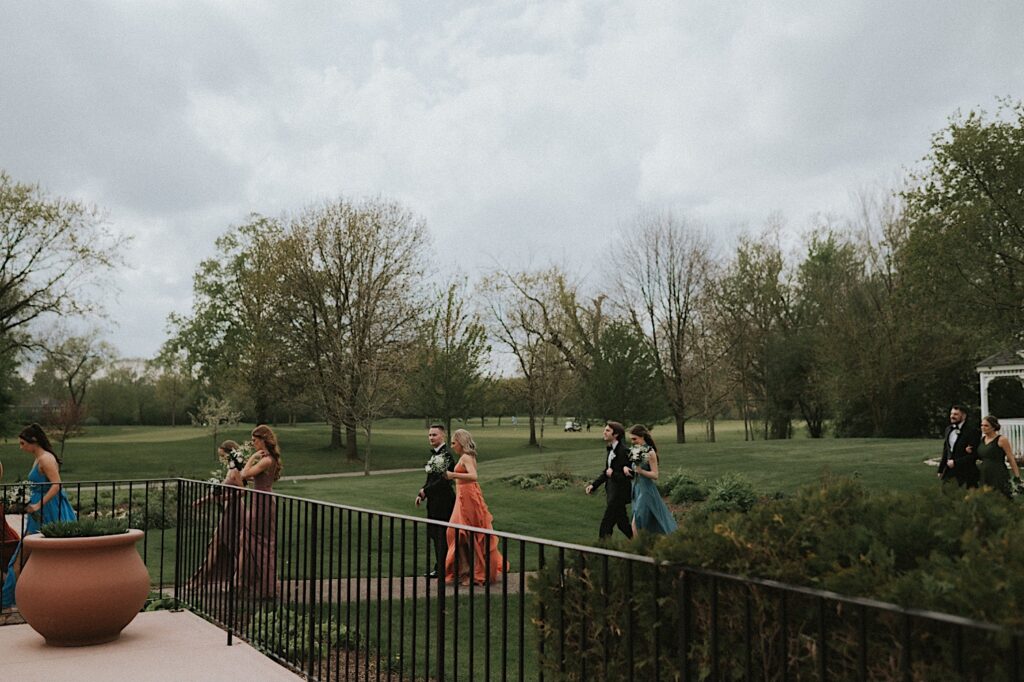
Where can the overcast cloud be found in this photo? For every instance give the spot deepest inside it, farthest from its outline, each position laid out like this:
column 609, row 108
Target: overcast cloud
column 517, row 130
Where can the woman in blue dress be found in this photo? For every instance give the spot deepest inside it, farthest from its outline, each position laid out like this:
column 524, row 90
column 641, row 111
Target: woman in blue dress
column 47, row 501
column 649, row 510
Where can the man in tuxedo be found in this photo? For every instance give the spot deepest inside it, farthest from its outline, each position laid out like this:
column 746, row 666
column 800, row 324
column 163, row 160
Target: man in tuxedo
column 959, row 443
column 617, row 488
column 440, row 497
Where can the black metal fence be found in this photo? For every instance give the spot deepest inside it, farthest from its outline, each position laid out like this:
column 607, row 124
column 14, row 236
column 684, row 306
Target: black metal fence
column 147, row 504
column 339, row 593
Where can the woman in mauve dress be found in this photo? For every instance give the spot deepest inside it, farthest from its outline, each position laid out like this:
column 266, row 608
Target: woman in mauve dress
column 257, row 554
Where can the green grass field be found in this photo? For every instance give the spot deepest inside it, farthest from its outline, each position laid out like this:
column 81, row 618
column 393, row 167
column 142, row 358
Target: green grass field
column 105, row 453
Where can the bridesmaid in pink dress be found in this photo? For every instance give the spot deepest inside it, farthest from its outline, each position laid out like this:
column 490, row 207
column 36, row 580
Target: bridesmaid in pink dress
column 219, row 565
column 257, row 556
column 470, row 551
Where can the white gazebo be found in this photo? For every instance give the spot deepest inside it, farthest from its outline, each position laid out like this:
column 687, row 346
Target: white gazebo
column 1004, row 364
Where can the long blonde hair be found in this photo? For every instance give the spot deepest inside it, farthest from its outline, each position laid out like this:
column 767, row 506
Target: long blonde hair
column 465, row 439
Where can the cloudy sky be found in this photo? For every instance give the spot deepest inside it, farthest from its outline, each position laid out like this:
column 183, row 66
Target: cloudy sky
column 521, row 131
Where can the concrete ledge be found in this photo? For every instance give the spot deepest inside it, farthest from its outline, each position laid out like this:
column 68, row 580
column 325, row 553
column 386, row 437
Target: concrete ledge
column 156, row 646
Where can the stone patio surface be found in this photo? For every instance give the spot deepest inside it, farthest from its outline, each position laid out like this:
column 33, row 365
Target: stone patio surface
column 156, row 646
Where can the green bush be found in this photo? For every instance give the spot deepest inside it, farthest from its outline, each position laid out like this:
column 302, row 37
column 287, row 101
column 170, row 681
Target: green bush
column 556, row 480
column 942, row 550
column 730, row 493
column 680, row 489
column 285, row 633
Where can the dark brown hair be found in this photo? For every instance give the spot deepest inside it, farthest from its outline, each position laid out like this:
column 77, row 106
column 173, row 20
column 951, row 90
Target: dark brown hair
column 618, row 429
column 33, row 433
column 993, row 422
column 641, row 431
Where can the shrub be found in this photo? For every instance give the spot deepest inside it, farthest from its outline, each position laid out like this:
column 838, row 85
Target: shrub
column 286, row 633
column 554, row 480
column 946, row 551
column 730, row 493
column 85, row 527
column 680, row 488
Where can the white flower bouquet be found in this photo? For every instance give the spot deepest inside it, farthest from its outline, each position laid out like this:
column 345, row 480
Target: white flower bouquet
column 1016, row 486
column 638, row 455
column 436, row 465
column 18, row 494
column 237, row 458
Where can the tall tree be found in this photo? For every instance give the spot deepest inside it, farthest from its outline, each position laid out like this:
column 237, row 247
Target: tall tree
column 660, row 285
column 174, row 383
column 755, row 298
column 447, row 375
column 891, row 347
column 54, row 254
column 522, row 322
column 233, row 339
column 826, row 282
column 352, row 273
column 625, row 382
column 73, row 362
column 710, row 378
column 967, row 197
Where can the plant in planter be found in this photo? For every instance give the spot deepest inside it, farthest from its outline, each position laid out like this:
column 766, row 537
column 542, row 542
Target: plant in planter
column 83, row 581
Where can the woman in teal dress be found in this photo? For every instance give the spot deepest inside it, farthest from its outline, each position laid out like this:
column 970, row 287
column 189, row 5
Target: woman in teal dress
column 994, row 453
column 47, row 502
column 649, row 510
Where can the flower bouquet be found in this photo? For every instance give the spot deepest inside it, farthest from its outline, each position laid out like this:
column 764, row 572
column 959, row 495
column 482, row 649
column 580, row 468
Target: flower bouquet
column 236, row 459
column 436, row 465
column 638, row 455
column 1016, row 487
column 239, row 456
column 17, row 496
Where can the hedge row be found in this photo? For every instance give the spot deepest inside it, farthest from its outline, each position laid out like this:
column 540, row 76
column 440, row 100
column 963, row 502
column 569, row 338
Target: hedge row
column 945, row 550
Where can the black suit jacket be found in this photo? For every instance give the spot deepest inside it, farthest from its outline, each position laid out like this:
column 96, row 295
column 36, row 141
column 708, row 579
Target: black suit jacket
column 439, row 491
column 965, row 468
column 618, row 487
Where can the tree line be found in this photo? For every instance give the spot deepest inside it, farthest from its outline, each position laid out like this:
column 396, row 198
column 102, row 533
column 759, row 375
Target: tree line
column 871, row 325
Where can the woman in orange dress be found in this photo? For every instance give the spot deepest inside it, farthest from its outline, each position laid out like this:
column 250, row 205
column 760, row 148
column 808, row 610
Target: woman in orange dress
column 471, row 552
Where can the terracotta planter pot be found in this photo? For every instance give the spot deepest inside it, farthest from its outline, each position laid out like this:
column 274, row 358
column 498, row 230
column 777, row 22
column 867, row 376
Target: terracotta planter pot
column 81, row 591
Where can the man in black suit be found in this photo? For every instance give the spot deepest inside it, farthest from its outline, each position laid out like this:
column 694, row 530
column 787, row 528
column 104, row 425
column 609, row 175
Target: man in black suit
column 959, row 443
column 440, row 497
column 617, row 486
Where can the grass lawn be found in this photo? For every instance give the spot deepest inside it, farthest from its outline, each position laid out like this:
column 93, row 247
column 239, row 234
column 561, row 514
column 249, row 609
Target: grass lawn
column 571, row 516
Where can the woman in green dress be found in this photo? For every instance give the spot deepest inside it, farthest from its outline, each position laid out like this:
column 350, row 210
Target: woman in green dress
column 994, row 453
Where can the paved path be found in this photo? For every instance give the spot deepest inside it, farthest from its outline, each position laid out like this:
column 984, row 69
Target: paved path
column 348, row 474
column 343, row 590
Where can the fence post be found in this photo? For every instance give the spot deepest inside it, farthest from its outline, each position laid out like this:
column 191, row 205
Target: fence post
column 178, row 541
column 684, row 624
column 311, row 578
